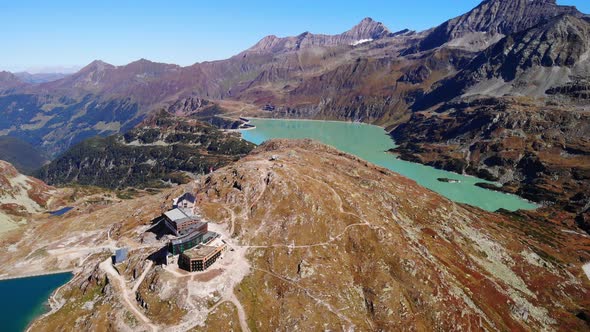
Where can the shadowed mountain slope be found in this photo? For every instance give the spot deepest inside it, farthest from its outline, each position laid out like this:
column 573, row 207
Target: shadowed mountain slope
column 25, row 157
column 160, row 151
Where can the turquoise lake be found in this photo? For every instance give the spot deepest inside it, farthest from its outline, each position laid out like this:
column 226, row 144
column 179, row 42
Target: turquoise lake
column 371, row 143
column 25, row 299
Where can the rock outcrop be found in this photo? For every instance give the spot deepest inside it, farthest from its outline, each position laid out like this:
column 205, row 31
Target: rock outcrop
column 529, row 63
column 20, row 196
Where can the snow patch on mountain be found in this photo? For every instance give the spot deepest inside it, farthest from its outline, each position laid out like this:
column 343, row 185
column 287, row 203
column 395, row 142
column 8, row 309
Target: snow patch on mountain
column 361, row 41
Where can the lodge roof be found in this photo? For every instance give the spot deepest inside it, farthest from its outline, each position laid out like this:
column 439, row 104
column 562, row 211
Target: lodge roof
column 176, row 215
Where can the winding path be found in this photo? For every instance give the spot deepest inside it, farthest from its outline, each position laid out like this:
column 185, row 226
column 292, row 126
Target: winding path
column 140, row 279
column 108, row 268
column 241, row 313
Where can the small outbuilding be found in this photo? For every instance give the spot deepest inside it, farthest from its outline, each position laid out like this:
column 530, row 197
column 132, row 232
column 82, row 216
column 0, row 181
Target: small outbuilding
column 120, row 255
column 185, row 202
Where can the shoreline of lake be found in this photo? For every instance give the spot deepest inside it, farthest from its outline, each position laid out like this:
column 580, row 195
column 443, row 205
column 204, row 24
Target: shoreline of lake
column 349, row 137
column 33, row 275
column 27, row 298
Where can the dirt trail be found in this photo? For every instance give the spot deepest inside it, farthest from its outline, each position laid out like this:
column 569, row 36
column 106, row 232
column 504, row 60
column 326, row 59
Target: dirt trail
column 108, row 268
column 145, row 272
column 241, row 313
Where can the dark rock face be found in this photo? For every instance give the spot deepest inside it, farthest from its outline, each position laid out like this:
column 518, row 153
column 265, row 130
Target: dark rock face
column 562, row 42
column 497, row 17
column 583, row 221
column 188, row 106
column 577, row 91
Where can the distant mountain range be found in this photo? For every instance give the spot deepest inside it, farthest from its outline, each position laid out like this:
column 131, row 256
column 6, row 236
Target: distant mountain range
column 39, row 77
column 503, row 52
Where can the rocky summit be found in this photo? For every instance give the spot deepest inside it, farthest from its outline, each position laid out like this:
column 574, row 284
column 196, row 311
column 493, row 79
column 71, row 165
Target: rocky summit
column 493, row 17
column 367, row 30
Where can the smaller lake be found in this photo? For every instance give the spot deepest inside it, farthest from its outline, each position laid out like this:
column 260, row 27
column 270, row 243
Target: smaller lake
column 61, row 211
column 25, row 299
column 371, row 143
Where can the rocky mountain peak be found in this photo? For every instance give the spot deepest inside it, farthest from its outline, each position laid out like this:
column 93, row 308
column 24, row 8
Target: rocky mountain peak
column 92, row 73
column 564, row 41
column 366, row 30
column 7, row 76
column 531, row 62
column 497, row 17
column 9, row 81
column 97, row 64
column 147, row 67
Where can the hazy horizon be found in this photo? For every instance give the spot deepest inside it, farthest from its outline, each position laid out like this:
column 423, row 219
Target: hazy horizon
column 64, row 36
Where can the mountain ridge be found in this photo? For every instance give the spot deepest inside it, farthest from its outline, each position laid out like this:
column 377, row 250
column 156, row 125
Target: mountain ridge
column 162, row 150
column 365, row 31
column 557, row 52
column 497, row 17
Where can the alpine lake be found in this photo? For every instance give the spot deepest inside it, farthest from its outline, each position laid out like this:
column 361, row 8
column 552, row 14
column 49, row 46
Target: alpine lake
column 371, row 143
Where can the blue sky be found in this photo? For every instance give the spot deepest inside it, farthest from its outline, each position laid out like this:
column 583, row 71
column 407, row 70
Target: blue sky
column 37, row 34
